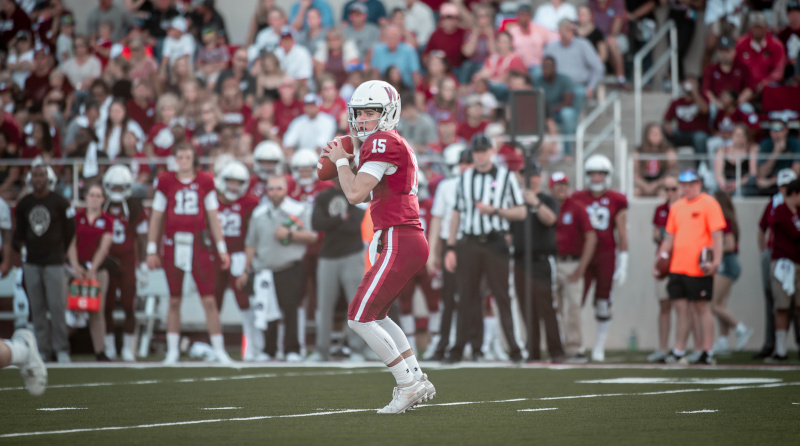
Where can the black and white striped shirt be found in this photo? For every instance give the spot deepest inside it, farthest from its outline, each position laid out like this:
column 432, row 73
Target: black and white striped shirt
column 497, row 187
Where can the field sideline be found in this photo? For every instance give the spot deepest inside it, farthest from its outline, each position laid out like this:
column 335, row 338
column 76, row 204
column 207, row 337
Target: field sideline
column 334, row 404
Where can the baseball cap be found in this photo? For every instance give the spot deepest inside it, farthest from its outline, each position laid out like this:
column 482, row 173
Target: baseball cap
column 448, row 10
column 311, row 98
column 777, row 126
column 558, row 177
column 287, row 31
column 22, row 34
column 726, row 43
column 757, row 18
column 67, row 20
column 40, row 49
column 786, row 176
column 179, row 23
column 358, row 7
column 480, row 142
column 688, row 176
column 793, row 5
column 525, row 8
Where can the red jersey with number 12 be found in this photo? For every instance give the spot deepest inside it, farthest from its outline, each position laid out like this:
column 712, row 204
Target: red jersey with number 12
column 186, row 201
column 394, row 198
column 234, row 218
column 602, row 212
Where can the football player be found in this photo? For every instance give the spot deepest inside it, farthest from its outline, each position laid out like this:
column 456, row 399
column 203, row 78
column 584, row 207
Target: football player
column 607, row 211
column 235, row 208
column 21, row 350
column 184, row 201
column 129, row 236
column 267, row 160
column 387, row 173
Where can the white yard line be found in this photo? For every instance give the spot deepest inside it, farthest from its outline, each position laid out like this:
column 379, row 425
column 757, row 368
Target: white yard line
column 220, row 408
column 538, row 410
column 700, row 411
column 54, row 409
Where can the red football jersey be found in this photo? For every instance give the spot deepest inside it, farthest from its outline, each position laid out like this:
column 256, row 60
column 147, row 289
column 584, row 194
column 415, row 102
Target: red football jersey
column 660, row 216
column 573, row 222
column 129, row 220
column 88, row 235
column 425, row 215
column 309, row 193
column 186, row 202
column 394, row 198
column 602, row 211
column 235, row 218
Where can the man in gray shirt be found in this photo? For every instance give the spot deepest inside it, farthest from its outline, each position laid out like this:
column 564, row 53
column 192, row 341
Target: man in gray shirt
column 575, row 57
column 558, row 97
column 363, row 34
column 107, row 11
column 279, row 231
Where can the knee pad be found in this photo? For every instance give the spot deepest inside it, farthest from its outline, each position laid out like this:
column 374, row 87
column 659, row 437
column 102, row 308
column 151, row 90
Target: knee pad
column 377, row 338
column 602, row 310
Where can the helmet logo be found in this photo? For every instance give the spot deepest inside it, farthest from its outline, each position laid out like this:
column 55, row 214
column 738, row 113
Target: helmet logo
column 390, row 93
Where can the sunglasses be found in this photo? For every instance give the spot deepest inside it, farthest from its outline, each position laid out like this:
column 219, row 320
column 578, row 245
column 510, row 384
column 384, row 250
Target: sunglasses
column 670, row 189
column 776, row 128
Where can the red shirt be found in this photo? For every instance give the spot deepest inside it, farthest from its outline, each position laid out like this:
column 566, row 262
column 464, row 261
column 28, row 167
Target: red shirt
column 236, row 117
column 162, row 138
column 660, row 216
column 106, row 45
column 764, row 223
column 729, row 230
column 688, row 115
column 10, row 26
column 309, row 193
column 88, row 234
column 449, row 43
column 125, row 228
column 573, row 223
column 31, row 152
column 394, row 200
column 186, row 202
column 466, row 131
column 235, row 218
column 425, row 216
column 145, row 117
column 786, row 232
column 716, row 81
column 285, row 114
column 9, row 127
column 724, row 122
column 766, row 64
column 602, row 212
column 337, row 109
column 36, row 87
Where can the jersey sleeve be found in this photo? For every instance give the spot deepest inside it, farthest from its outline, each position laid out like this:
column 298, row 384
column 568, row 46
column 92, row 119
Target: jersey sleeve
column 109, row 227
column 763, row 224
column 582, row 218
column 159, row 201
column 622, row 201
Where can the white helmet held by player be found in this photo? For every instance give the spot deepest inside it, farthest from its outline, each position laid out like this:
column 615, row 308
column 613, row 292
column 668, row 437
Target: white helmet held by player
column 598, row 163
column 304, row 158
column 452, row 155
column 378, row 95
column 118, row 183
column 270, row 152
column 233, row 170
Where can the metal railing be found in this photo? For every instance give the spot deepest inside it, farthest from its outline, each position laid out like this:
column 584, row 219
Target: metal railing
column 582, row 150
column 640, row 79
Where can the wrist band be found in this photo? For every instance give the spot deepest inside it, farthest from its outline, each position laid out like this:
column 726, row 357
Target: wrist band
column 222, row 248
column 152, row 249
column 342, row 162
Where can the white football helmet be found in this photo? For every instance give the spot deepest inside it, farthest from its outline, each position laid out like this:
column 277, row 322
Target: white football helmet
column 233, row 170
column 268, row 151
column 304, row 158
column 379, row 95
column 598, row 163
column 118, row 183
column 52, row 179
column 451, row 155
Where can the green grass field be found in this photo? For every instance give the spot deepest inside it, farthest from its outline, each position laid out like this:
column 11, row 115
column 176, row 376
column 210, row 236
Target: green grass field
column 476, row 404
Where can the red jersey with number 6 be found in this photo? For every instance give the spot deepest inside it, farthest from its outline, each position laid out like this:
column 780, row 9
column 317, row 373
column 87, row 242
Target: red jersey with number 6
column 235, row 218
column 130, row 219
column 186, row 202
column 602, row 212
column 394, row 198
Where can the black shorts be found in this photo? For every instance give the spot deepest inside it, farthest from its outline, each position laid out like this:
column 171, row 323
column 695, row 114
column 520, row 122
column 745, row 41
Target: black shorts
column 681, row 286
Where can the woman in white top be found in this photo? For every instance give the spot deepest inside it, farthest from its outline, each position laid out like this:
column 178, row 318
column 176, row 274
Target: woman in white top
column 83, row 67
column 20, row 59
column 111, row 131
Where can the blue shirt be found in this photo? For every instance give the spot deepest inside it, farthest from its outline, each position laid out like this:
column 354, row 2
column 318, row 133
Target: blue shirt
column 375, row 10
column 325, row 13
column 404, row 58
column 792, row 148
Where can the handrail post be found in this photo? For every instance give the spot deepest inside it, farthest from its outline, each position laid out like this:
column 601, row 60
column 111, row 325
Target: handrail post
column 75, row 179
column 673, row 48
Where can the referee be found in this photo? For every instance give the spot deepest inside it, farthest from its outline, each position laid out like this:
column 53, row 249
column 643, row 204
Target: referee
column 487, row 197
column 543, row 212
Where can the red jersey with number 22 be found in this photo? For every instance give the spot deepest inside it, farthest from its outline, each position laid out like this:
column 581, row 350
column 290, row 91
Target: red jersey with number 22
column 394, row 198
column 602, row 212
column 234, row 218
column 186, row 202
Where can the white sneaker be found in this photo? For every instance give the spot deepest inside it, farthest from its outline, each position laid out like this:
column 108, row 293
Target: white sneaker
column 692, row 357
column 262, row 357
column 315, row 356
column 111, row 347
column 33, row 370
column 721, row 346
column 63, row 358
column 172, row 358
column 222, row 357
column 127, row 355
column 430, row 391
column 656, row 356
column 405, row 397
column 293, row 357
column 598, row 354
column 742, row 337
column 431, row 350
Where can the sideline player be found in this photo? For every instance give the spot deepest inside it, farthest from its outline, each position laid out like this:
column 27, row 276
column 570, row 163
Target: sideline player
column 185, row 200
column 129, row 235
column 235, row 208
column 387, row 174
column 608, row 210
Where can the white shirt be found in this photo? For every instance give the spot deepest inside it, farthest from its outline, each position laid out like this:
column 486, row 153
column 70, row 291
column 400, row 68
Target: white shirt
column 266, row 40
column 174, row 49
column 296, row 63
column 419, row 20
column 307, row 133
column 20, row 77
column 444, row 201
column 5, row 218
column 548, row 16
column 79, row 73
column 114, row 148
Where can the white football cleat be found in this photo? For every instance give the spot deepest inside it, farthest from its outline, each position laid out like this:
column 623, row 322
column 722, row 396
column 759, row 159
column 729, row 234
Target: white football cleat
column 403, row 398
column 598, row 354
column 172, row 357
column 127, row 355
column 657, row 356
column 222, row 357
column 32, row 370
column 430, row 391
column 111, row 347
column 293, row 357
column 742, row 336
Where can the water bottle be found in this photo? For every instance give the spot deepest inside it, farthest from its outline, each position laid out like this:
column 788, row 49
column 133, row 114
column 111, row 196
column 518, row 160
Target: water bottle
column 94, row 289
column 75, row 289
column 633, row 341
column 85, row 288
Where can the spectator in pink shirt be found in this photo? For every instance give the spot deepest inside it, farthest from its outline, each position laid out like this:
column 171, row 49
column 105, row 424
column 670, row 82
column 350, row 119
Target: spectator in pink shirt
column 529, row 40
column 498, row 65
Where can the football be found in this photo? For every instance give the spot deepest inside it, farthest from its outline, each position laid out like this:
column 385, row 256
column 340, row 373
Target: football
column 326, row 170
column 662, row 265
column 706, row 256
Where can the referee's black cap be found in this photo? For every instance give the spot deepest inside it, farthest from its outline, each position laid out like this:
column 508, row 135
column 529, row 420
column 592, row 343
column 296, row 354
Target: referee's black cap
column 480, row 142
column 465, row 157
